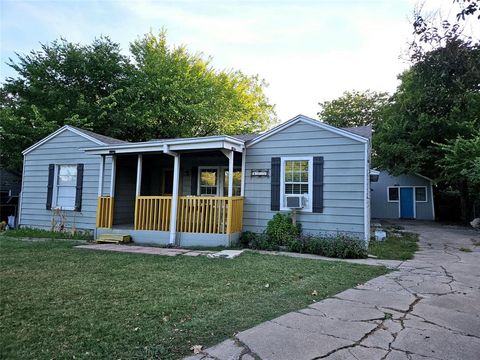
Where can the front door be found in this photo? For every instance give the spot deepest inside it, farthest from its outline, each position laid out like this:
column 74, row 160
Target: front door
column 406, row 203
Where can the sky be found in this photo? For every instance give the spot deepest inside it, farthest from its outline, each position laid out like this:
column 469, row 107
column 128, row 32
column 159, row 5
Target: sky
column 307, row 51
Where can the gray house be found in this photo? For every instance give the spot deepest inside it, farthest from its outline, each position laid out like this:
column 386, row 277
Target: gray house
column 404, row 196
column 201, row 191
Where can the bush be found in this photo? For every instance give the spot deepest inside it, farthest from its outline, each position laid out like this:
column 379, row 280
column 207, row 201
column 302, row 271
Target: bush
column 281, row 234
column 281, row 231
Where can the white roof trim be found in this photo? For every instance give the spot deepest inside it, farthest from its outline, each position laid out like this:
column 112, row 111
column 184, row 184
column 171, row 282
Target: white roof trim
column 310, row 121
column 424, row 177
column 207, row 142
column 58, row 132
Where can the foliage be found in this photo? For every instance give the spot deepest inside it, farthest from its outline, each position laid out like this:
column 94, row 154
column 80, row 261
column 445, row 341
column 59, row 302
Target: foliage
column 157, row 92
column 338, row 246
column 462, row 160
column 40, row 233
column 62, row 302
column 399, row 247
column 431, row 31
column 354, row 108
column 281, row 230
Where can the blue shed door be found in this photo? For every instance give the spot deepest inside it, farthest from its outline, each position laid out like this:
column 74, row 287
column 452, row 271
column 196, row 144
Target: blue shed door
column 406, row 203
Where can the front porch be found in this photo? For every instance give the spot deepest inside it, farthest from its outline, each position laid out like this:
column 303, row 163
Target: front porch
column 201, row 220
column 190, row 197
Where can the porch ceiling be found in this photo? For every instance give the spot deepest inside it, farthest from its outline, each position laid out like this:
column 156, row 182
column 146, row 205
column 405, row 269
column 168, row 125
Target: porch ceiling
column 202, row 143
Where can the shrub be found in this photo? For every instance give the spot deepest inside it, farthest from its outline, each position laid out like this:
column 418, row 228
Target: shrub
column 339, row 246
column 281, row 231
column 247, row 238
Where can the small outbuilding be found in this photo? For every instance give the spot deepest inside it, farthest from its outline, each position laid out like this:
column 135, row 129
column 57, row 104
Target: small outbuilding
column 402, row 197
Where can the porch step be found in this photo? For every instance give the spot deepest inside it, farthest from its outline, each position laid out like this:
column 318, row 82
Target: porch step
column 114, row 238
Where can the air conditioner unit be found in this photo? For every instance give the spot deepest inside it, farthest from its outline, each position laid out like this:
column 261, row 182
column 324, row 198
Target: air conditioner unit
column 294, row 201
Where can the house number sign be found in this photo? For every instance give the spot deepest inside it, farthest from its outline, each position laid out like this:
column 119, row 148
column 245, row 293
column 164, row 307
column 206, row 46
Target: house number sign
column 259, row 172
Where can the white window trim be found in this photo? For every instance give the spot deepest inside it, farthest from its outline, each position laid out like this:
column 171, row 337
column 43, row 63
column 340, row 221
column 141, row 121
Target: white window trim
column 310, row 182
column 426, row 194
column 388, row 194
column 220, row 178
column 55, row 188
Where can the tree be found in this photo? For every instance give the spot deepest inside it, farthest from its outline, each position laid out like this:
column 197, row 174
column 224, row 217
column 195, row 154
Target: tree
column 64, row 83
column 157, row 92
column 437, row 101
column 180, row 94
column 431, row 31
column 354, row 108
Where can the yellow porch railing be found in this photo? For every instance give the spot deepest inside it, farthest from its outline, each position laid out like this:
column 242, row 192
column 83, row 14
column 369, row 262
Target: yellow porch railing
column 235, row 220
column 153, row 213
column 195, row 214
column 104, row 212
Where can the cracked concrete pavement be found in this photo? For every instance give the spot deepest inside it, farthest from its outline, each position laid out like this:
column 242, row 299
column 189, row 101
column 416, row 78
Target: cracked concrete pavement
column 429, row 308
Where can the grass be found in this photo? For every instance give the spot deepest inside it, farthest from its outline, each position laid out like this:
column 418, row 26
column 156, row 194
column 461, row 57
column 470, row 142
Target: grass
column 60, row 302
column 40, row 233
column 400, row 247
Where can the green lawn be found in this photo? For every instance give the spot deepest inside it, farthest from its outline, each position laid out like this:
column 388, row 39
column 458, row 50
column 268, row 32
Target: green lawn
column 40, row 233
column 401, row 247
column 61, row 302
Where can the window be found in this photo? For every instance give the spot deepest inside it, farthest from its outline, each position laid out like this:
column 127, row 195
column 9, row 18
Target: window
column 208, row 181
column 214, row 181
column 393, row 194
column 296, row 179
column 421, row 194
column 237, row 183
column 65, row 187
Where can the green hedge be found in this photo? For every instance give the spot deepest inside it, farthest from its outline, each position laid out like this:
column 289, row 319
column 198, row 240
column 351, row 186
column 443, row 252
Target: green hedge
column 282, row 234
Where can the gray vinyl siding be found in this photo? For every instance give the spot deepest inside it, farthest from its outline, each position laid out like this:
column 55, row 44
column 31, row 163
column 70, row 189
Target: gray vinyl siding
column 62, row 149
column 344, row 180
column 383, row 209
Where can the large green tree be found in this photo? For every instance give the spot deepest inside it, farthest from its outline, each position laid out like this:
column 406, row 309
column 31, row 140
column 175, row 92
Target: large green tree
column 156, row 92
column 177, row 93
column 354, row 108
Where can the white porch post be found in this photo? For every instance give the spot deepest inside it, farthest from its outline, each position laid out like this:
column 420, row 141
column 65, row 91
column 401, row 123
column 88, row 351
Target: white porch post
column 139, row 175
column 100, row 175
column 242, row 188
column 113, row 174
column 176, row 180
column 230, row 173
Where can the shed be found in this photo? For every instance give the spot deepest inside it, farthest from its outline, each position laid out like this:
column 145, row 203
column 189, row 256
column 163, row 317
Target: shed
column 402, row 197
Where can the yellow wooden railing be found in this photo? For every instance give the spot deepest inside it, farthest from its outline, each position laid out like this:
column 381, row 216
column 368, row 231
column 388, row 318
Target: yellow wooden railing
column 195, row 214
column 105, row 212
column 153, row 213
column 235, row 220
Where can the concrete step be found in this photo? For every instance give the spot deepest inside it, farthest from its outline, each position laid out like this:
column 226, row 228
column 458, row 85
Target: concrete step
column 114, row 238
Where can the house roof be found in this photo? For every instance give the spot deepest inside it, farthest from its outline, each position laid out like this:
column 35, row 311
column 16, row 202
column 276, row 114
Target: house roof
column 365, row 131
column 90, row 135
column 104, row 139
column 199, row 143
column 361, row 134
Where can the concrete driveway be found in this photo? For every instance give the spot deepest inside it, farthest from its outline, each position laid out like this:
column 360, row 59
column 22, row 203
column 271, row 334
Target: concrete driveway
column 428, row 309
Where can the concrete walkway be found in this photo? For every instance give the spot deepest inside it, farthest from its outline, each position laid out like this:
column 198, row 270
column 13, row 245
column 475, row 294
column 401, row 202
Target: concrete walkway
column 145, row 250
column 428, row 309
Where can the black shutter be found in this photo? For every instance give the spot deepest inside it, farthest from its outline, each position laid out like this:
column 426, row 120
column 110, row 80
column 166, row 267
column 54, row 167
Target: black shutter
column 194, row 179
column 78, row 195
column 51, row 175
column 318, row 184
column 275, row 185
